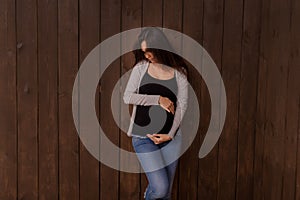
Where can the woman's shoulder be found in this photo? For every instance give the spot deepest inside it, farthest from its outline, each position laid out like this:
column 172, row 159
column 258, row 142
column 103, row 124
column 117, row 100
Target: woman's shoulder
column 139, row 68
column 181, row 76
column 140, row 65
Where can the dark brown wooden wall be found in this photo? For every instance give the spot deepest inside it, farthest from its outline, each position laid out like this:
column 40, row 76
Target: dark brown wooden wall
column 255, row 44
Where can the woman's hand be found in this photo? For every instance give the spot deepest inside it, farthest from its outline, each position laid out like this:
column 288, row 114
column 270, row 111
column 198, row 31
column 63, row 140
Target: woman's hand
column 159, row 138
column 166, row 104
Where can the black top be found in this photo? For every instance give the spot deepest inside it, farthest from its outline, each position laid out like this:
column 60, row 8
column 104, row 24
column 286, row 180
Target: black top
column 155, row 119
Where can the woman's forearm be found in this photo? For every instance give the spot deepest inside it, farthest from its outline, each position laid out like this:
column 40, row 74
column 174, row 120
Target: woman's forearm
column 141, row 99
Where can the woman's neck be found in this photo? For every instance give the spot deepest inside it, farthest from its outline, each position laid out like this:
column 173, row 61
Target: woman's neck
column 162, row 67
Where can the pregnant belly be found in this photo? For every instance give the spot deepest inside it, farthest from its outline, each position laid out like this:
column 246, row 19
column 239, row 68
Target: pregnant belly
column 153, row 119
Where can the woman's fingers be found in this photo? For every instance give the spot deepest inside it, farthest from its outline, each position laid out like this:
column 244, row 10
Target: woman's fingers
column 166, row 108
column 170, row 104
column 159, row 138
column 159, row 135
column 156, row 140
column 167, row 104
column 171, row 108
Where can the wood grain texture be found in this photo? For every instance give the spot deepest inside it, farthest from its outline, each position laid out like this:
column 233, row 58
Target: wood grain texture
column 89, row 11
column 291, row 126
column 260, row 114
column 295, row 72
column 212, row 42
column 110, row 24
column 27, row 81
column 231, row 74
column 68, row 67
column 274, row 44
column 8, row 105
column 248, row 103
column 48, row 100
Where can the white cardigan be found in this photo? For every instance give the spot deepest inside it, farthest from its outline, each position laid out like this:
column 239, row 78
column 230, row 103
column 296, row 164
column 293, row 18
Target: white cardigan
column 132, row 96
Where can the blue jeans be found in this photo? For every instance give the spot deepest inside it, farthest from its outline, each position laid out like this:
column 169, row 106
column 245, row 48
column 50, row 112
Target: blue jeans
column 160, row 177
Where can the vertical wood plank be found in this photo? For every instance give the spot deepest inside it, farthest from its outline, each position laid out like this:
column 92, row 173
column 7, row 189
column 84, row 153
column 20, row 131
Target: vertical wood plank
column 248, row 93
column 89, row 19
column 110, row 24
column 260, row 112
column 189, row 163
column 172, row 14
column 212, row 42
column 264, row 35
column 291, row 171
column 297, row 182
column 27, row 82
column 290, row 138
column 295, row 72
column 68, row 66
column 231, row 60
column 152, row 13
column 275, row 46
column 48, row 100
column 131, row 18
column 277, row 62
column 8, row 105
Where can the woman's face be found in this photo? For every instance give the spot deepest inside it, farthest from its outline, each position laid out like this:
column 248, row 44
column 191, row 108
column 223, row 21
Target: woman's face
column 149, row 56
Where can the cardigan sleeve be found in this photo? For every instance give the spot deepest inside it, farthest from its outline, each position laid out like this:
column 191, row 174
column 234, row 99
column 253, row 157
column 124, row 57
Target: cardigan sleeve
column 131, row 95
column 182, row 99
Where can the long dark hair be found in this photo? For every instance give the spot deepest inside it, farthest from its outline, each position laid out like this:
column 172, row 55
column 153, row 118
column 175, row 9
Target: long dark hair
column 155, row 37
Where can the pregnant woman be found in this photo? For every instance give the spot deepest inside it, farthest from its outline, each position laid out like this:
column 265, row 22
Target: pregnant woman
column 158, row 90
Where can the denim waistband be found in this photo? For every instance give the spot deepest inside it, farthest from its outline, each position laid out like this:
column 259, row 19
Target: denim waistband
column 138, row 136
column 144, row 137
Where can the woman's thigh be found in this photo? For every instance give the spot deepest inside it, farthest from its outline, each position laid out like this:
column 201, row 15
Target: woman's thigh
column 149, row 161
column 158, row 179
column 162, row 155
column 172, row 151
